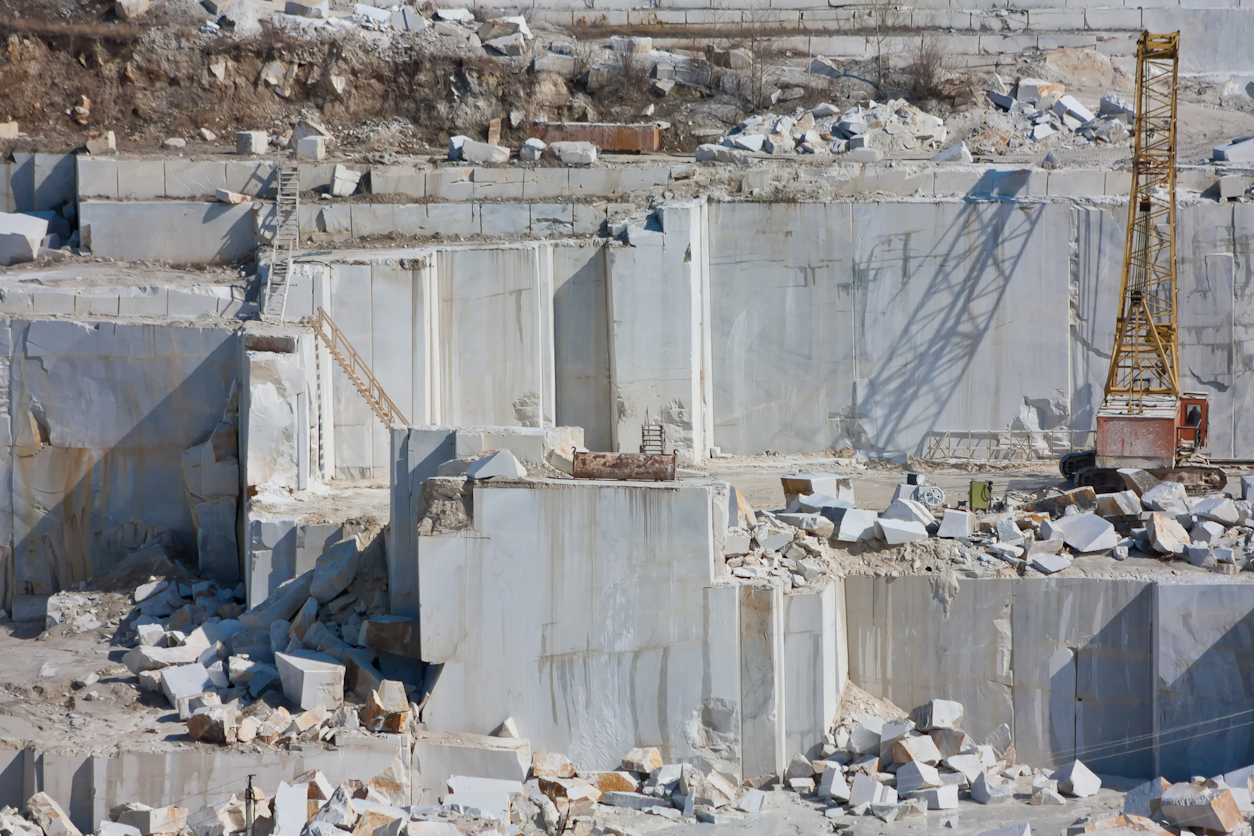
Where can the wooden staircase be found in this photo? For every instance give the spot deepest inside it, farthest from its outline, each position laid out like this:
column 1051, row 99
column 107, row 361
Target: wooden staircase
column 357, row 370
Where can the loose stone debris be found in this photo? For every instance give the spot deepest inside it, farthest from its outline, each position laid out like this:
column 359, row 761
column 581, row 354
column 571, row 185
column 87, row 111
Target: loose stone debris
column 313, row 642
column 1036, row 111
column 893, row 126
column 817, row 535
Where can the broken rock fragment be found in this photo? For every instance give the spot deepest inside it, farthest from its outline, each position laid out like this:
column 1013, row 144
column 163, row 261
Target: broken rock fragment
column 1048, row 564
column 1045, row 797
column 968, row 765
column 1186, row 805
column 391, row 634
column 1218, row 509
column 800, row 767
column 1077, row 780
column 643, row 760
column 552, row 765
column 1159, row 497
column 1082, row 499
column 1090, row 533
column 344, row 181
column 384, row 712
column 152, row 821
column 339, row 811
column 532, row 149
column 956, row 524
column 1120, row 504
column 50, row 817
column 311, row 679
column 230, row 197
column 896, row 532
column 481, row 152
column 917, row 775
column 832, row 784
column 615, row 781
column 938, row 714
column 185, row 681
column 575, row 153
column 1145, row 799
column 989, row 790
column 130, row 9
column 335, row 570
column 101, row 142
column 1166, row 536
column 502, row 463
column 213, row 725
column 920, row 749
column 865, row 739
column 281, row 605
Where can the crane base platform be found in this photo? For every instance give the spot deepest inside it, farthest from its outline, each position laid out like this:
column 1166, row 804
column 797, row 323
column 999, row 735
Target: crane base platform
column 1081, row 468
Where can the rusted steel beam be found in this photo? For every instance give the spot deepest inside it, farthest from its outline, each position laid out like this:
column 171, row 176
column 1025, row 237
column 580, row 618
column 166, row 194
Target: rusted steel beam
column 625, row 466
column 607, row 136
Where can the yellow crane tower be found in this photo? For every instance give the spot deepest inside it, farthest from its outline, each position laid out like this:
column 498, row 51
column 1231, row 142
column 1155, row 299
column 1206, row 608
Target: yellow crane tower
column 1145, row 421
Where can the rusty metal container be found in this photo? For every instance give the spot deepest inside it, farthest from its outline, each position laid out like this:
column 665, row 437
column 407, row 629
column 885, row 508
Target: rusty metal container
column 1146, row 441
column 606, row 135
column 625, row 466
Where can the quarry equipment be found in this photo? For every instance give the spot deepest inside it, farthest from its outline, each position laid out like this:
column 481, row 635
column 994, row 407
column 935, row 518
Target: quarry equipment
column 1145, row 421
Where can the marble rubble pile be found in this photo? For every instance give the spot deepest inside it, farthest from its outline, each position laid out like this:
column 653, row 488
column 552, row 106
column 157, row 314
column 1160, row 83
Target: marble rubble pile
column 677, row 792
column 482, row 153
column 308, row 804
column 386, row 710
column 785, row 547
column 902, row 769
column 1043, row 534
column 503, row 36
column 315, row 640
column 77, row 612
column 1039, row 110
column 1149, row 519
column 888, row 127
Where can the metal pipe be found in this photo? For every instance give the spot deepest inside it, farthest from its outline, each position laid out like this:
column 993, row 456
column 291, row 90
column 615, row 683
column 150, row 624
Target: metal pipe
column 625, row 466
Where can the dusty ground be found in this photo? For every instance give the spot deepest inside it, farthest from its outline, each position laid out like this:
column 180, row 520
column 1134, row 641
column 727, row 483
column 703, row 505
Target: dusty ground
column 365, row 503
column 40, row 703
column 786, row 814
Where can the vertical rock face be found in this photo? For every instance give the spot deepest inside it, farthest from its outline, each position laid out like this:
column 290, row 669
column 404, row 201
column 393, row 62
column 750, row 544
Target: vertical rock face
column 211, row 477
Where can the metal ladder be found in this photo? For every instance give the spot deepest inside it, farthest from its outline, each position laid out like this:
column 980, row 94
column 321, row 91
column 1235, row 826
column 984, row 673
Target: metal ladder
column 652, row 437
column 286, row 237
column 322, row 459
column 357, row 370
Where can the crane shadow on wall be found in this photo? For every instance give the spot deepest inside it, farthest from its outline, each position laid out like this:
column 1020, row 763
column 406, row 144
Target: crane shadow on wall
column 1193, row 666
column 1204, row 658
column 945, row 302
column 1094, row 652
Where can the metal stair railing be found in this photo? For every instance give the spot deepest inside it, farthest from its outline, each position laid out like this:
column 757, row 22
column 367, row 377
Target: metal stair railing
column 286, row 237
column 357, row 370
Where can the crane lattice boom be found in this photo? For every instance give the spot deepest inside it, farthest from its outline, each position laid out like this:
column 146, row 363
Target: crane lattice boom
column 1145, row 360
